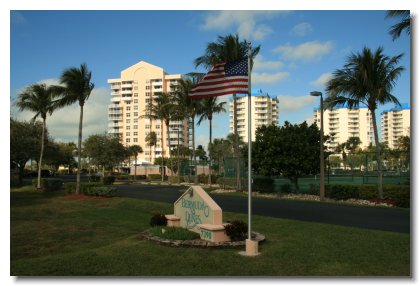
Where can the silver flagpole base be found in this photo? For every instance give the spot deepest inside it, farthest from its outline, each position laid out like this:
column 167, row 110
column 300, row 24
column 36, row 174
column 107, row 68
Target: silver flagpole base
column 251, row 248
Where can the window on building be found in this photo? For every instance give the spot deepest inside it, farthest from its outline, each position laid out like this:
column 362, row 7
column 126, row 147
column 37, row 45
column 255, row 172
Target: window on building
column 127, row 133
column 127, row 114
column 136, row 95
column 127, row 127
column 136, row 114
column 147, row 87
column 135, row 140
column 136, row 107
column 136, row 120
column 135, row 127
column 135, row 134
column 127, row 140
column 127, row 121
column 136, row 101
column 128, row 108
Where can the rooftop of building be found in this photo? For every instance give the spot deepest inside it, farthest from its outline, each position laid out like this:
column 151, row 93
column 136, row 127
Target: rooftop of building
column 340, row 106
column 403, row 106
column 256, row 92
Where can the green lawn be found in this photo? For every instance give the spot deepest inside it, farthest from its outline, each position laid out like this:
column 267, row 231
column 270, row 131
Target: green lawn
column 54, row 235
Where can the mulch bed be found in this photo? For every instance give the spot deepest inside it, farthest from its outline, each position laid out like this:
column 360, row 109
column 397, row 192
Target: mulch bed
column 85, row 197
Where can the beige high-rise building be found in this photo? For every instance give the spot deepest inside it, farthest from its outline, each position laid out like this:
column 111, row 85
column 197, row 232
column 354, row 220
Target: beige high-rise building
column 341, row 123
column 264, row 111
column 395, row 123
column 131, row 93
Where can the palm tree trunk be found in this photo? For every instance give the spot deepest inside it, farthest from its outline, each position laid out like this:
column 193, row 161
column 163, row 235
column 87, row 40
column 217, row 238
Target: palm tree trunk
column 169, row 147
column 162, row 148
column 135, row 167
column 79, row 148
column 210, row 119
column 38, row 186
column 236, row 143
column 378, row 155
column 193, row 146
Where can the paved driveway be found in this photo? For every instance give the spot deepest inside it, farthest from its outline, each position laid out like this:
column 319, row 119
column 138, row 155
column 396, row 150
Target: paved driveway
column 388, row 219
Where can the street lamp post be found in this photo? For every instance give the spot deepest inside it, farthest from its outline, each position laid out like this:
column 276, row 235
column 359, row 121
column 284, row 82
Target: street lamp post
column 321, row 148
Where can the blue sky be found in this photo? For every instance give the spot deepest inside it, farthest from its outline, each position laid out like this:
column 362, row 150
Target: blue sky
column 299, row 51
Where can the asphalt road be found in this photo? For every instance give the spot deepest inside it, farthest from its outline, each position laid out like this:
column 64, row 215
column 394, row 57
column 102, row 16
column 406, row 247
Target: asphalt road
column 387, row 219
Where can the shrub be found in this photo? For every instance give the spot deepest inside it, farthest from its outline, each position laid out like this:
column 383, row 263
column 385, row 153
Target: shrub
column 263, row 185
column 285, row 189
column 176, row 179
column 155, row 176
column 342, row 192
column 230, row 183
column 48, row 185
column 237, row 230
column 90, row 189
column 94, row 178
column 158, row 219
column 313, row 189
column 108, row 180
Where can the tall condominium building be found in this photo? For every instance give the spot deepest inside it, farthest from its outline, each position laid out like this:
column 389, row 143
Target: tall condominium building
column 131, row 93
column 341, row 123
column 264, row 111
column 395, row 123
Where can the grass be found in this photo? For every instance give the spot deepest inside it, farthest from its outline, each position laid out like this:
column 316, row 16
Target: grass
column 59, row 236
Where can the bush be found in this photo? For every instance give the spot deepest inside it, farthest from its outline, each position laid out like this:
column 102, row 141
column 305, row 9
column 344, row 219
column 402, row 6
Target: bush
column 263, row 185
column 342, row 192
column 237, row 230
column 158, row 219
column 155, row 176
column 108, row 180
column 90, row 189
column 285, row 189
column 94, row 178
column 175, row 179
column 48, row 185
column 230, row 183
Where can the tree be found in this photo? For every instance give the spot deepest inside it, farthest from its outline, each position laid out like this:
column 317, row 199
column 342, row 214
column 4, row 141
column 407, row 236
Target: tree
column 151, row 140
column 208, row 107
column 367, row 78
column 105, row 150
column 402, row 25
column 189, row 105
column 40, row 99
column 24, row 143
column 135, row 150
column 293, row 150
column 162, row 108
column 77, row 88
column 220, row 149
column 226, row 49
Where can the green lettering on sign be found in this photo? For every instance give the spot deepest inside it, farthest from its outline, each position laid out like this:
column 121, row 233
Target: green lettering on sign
column 206, row 234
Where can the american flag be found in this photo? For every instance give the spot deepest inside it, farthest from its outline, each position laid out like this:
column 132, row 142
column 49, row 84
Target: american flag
column 224, row 78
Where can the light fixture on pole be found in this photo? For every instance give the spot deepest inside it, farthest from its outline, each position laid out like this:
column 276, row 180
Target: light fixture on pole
column 321, row 146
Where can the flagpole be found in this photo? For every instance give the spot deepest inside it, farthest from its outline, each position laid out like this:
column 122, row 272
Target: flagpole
column 249, row 142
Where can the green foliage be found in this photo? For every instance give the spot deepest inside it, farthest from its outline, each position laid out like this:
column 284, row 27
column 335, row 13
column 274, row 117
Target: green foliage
column 263, row 185
column 158, row 220
column 292, row 150
column 230, row 182
column 237, row 230
column 285, row 189
column 155, row 176
column 108, row 180
column 90, row 189
column 175, row 179
column 175, row 233
column 399, row 195
column 48, row 185
column 105, row 150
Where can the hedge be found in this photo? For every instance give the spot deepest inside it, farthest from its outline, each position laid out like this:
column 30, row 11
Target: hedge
column 398, row 194
column 48, row 185
column 90, row 189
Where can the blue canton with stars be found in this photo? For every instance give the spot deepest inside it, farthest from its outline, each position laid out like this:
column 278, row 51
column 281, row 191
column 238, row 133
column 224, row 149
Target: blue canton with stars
column 237, row 68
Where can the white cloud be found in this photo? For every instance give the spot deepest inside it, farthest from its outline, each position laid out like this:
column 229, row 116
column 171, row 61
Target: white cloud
column 63, row 124
column 292, row 104
column 322, row 79
column 245, row 21
column 261, row 64
column 268, row 78
column 301, row 29
column 306, row 52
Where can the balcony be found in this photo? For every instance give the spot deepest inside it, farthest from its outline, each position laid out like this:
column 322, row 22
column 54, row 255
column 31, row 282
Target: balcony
column 127, row 85
column 126, row 98
column 125, row 92
column 115, row 125
column 113, row 93
column 116, row 99
column 115, row 111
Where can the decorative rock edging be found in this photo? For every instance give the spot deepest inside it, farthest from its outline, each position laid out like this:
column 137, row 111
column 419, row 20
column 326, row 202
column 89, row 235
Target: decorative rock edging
column 199, row 242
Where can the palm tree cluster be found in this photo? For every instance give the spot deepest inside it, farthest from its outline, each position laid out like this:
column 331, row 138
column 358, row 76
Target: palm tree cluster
column 76, row 86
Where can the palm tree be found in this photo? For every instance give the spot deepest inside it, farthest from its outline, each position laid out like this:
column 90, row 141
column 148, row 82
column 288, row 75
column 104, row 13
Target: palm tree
column 404, row 24
column 162, row 108
column 190, row 105
column 77, row 88
column 226, row 49
column 39, row 98
column 151, row 140
column 367, row 78
column 208, row 107
column 135, row 150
